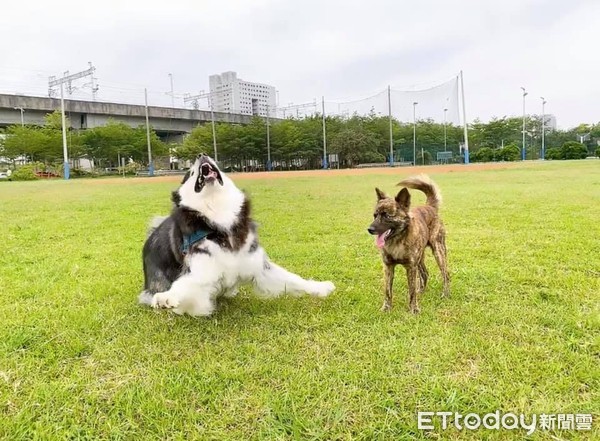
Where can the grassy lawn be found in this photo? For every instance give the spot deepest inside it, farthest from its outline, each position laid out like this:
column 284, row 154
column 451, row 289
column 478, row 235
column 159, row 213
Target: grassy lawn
column 79, row 359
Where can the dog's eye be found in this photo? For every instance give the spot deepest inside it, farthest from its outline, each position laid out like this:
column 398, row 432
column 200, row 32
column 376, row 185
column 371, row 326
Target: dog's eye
column 374, row 215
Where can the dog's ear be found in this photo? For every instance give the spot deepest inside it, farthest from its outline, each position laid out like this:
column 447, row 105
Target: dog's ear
column 380, row 194
column 403, row 199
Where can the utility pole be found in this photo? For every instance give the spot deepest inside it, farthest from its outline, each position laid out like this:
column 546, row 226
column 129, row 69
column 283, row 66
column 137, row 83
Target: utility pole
column 543, row 128
column 325, row 165
column 391, row 126
column 268, row 142
column 445, row 136
column 92, row 84
column 524, row 95
column 415, row 133
column 53, row 82
column 464, row 112
column 150, row 164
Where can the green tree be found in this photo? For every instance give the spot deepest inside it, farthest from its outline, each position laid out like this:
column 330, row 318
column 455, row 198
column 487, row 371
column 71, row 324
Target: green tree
column 105, row 144
column 574, row 150
column 353, row 144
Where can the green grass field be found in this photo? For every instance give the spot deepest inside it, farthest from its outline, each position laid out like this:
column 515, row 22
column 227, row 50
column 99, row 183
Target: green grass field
column 79, row 359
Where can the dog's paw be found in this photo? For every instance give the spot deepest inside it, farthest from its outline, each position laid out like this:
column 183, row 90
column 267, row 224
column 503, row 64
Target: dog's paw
column 322, row 289
column 414, row 309
column 164, row 300
column 386, row 307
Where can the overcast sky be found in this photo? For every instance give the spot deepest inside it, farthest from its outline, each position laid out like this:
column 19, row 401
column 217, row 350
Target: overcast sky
column 340, row 49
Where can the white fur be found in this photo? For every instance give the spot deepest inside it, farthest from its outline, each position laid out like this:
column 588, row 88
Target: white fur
column 219, row 204
column 222, row 271
column 220, row 274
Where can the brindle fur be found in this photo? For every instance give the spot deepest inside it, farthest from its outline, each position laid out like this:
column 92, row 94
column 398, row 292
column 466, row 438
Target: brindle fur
column 411, row 232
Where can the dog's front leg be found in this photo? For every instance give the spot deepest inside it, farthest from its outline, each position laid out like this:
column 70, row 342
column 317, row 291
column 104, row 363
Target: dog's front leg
column 412, row 274
column 389, row 283
column 193, row 293
column 187, row 295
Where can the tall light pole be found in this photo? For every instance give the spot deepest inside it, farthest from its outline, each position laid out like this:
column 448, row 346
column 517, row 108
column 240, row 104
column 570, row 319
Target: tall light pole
column 391, row 126
column 543, row 128
column 445, row 137
column 325, row 165
column 524, row 95
column 22, row 111
column 415, row 133
column 268, row 142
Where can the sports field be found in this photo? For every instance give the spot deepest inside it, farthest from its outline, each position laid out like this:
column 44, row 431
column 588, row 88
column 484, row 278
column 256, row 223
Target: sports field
column 79, row 359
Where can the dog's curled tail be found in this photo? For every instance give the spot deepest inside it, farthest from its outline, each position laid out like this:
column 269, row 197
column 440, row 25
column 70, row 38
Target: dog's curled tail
column 427, row 186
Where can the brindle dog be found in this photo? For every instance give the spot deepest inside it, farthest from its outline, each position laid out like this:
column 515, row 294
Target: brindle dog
column 404, row 233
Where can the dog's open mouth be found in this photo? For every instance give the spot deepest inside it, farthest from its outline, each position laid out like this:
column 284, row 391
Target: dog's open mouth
column 380, row 239
column 208, row 173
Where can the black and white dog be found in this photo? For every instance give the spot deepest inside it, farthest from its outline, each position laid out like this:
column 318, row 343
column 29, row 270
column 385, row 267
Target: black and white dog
column 208, row 246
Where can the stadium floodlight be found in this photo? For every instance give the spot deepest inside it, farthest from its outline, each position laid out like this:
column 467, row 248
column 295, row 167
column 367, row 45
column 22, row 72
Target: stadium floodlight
column 524, row 95
column 415, row 133
column 543, row 128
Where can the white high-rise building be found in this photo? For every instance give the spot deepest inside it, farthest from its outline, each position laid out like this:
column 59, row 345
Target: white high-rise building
column 234, row 95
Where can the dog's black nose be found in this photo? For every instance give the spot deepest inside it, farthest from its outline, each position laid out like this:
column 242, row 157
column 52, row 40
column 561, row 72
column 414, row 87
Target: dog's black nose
column 371, row 230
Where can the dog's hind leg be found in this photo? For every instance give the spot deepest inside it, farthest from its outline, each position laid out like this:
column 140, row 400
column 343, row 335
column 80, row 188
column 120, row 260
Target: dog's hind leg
column 273, row 281
column 412, row 274
column 388, row 271
column 423, row 276
column 440, row 254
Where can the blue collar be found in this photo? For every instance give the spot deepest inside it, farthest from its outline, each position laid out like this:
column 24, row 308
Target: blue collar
column 191, row 239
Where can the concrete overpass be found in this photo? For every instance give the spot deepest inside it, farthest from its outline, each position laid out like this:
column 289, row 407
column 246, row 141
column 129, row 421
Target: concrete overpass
column 169, row 123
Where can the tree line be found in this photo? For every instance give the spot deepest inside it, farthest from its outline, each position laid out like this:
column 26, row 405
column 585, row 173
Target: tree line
column 298, row 143
column 101, row 145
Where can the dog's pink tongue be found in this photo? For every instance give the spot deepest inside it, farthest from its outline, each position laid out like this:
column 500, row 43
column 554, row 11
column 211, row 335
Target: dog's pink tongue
column 380, row 240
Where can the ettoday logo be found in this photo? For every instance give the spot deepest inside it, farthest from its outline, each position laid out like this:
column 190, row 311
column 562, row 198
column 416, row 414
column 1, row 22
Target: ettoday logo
column 506, row 421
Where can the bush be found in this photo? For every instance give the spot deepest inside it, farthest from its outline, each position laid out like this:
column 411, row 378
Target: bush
column 598, row 152
column 554, row 153
column 25, row 173
column 574, row 150
column 81, row 173
column 484, row 154
column 510, row 152
column 372, row 157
